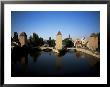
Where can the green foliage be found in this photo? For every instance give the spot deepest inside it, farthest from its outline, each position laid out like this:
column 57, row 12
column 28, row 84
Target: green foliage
column 68, row 43
column 51, row 42
column 35, row 54
column 35, row 40
column 15, row 38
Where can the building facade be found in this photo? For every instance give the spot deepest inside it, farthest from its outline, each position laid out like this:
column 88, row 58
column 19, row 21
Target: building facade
column 58, row 41
column 92, row 43
column 84, row 42
column 77, row 43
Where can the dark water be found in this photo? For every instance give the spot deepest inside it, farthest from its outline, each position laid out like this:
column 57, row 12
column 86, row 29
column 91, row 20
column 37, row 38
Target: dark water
column 72, row 64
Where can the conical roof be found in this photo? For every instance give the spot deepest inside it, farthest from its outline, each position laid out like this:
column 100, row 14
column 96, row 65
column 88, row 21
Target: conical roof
column 59, row 33
column 23, row 34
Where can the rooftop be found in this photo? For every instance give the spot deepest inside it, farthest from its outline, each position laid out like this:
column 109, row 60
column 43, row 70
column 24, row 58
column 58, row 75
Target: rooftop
column 23, row 34
column 59, row 33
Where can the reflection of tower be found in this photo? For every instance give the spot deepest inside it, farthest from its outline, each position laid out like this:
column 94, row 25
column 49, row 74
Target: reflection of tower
column 24, row 65
column 23, row 39
column 59, row 41
column 24, row 60
column 59, row 62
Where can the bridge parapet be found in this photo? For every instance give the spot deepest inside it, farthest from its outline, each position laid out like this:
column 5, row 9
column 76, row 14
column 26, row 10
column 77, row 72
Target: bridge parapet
column 46, row 48
column 71, row 48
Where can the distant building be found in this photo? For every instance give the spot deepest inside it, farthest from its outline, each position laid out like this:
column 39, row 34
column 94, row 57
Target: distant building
column 84, row 42
column 58, row 41
column 23, row 39
column 77, row 43
column 92, row 43
column 69, row 38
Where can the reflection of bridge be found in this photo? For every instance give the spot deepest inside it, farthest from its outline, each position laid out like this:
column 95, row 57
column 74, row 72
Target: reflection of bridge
column 72, row 48
column 42, row 48
column 53, row 49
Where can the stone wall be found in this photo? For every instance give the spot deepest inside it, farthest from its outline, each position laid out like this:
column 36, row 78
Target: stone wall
column 23, row 39
column 92, row 43
column 88, row 52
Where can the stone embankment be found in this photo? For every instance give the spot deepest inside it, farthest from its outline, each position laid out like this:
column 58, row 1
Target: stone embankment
column 88, row 52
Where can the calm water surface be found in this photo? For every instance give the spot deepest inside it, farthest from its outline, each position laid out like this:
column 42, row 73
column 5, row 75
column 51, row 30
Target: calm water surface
column 74, row 64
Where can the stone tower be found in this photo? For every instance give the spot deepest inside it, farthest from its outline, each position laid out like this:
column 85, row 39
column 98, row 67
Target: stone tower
column 23, row 39
column 59, row 41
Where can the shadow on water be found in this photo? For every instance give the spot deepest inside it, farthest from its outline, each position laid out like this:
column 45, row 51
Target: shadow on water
column 19, row 52
column 19, row 59
column 62, row 52
column 35, row 53
column 19, row 55
column 93, row 63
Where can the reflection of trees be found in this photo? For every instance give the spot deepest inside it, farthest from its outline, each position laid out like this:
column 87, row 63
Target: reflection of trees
column 62, row 52
column 35, row 54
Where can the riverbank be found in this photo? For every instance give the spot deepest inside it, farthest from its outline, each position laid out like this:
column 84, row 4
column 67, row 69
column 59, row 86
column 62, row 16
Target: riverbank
column 88, row 52
column 77, row 49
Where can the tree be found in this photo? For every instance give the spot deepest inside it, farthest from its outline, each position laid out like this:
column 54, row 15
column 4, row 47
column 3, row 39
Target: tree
column 41, row 41
column 30, row 41
column 68, row 43
column 15, row 38
column 35, row 40
column 50, row 38
column 51, row 42
column 11, row 39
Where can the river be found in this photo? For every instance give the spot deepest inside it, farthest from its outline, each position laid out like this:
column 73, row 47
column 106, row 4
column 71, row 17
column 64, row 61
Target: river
column 49, row 64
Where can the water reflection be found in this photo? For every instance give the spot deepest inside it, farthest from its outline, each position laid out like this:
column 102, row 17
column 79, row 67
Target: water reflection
column 24, row 60
column 78, row 54
column 18, row 53
column 35, row 54
column 19, row 66
column 40, row 63
column 59, row 62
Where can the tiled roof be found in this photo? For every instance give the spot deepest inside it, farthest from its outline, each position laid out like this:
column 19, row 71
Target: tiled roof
column 23, row 34
column 59, row 33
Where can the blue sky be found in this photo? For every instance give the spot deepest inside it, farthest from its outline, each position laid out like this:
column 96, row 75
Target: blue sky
column 47, row 23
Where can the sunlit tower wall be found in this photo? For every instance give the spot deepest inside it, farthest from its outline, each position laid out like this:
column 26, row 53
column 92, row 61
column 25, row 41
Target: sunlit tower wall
column 23, row 39
column 58, row 41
